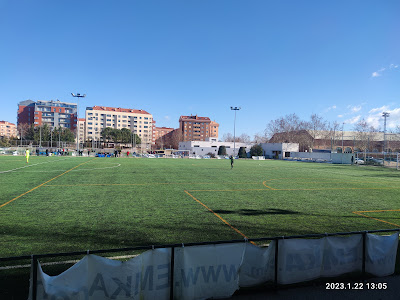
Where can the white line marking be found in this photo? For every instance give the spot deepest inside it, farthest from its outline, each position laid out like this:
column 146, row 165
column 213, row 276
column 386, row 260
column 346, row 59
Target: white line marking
column 16, row 169
column 76, row 170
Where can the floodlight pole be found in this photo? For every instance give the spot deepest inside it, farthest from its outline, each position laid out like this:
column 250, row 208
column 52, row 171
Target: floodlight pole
column 77, row 118
column 234, row 129
column 342, row 141
column 384, row 115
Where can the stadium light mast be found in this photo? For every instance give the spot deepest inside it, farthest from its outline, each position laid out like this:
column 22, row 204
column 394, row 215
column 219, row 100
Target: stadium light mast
column 234, row 129
column 77, row 118
column 384, row 115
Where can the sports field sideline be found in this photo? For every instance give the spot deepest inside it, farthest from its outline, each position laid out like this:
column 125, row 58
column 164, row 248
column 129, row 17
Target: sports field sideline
column 58, row 204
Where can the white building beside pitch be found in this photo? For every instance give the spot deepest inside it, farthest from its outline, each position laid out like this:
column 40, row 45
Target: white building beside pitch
column 211, row 145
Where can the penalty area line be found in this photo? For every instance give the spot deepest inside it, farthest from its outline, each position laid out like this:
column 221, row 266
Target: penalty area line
column 360, row 214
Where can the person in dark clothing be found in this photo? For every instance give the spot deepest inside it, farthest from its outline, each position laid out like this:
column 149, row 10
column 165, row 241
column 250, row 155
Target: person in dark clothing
column 231, row 161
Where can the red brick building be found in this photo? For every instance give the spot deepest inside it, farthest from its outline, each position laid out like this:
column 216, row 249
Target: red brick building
column 163, row 137
column 195, row 128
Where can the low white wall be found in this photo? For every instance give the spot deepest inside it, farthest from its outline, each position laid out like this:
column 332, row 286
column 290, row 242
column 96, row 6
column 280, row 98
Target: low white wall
column 336, row 158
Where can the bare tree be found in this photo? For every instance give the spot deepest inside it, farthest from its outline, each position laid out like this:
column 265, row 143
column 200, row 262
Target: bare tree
column 227, row 137
column 260, row 138
column 176, row 137
column 243, row 138
column 365, row 135
column 317, row 128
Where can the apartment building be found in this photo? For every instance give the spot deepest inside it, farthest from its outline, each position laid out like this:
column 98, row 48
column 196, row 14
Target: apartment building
column 82, row 131
column 8, row 129
column 53, row 113
column 138, row 121
column 195, row 128
column 163, row 136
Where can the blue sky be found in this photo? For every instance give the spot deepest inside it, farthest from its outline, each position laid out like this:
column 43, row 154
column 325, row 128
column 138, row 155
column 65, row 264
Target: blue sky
column 338, row 59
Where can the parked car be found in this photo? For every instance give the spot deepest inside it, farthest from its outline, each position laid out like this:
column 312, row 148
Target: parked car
column 359, row 161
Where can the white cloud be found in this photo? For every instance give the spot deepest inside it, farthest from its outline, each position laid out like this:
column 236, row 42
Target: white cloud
column 375, row 117
column 330, row 108
column 376, row 74
column 380, row 71
column 353, row 120
column 340, row 116
column 167, row 118
column 354, row 109
column 379, row 109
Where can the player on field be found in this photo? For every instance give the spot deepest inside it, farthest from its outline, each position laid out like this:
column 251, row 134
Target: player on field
column 27, row 155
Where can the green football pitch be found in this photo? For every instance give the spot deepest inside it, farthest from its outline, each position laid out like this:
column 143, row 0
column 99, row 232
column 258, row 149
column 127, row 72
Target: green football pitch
column 59, row 204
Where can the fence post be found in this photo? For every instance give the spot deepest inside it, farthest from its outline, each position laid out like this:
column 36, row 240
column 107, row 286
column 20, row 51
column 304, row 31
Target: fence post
column 276, row 262
column 364, row 254
column 34, row 267
column 171, row 284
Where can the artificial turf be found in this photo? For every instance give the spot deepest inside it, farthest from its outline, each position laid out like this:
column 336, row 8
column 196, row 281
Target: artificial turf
column 57, row 204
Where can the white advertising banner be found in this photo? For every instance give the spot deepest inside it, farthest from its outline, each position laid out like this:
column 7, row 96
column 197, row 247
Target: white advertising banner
column 258, row 265
column 217, row 271
column 302, row 259
column 143, row 277
column 342, row 255
column 210, row 271
column 381, row 254
column 299, row 260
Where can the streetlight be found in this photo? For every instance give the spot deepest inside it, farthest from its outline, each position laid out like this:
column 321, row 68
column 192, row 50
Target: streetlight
column 77, row 118
column 234, row 129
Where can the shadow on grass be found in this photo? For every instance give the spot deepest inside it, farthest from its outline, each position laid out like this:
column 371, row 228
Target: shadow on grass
column 257, row 212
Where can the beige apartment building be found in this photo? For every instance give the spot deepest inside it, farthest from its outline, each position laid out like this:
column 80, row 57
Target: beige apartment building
column 195, row 128
column 82, row 131
column 8, row 129
column 138, row 121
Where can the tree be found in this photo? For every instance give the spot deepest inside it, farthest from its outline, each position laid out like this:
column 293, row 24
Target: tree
column 126, row 135
column 256, row 150
column 116, row 135
column 106, row 134
column 243, row 138
column 4, row 141
column 176, row 137
column 212, row 155
column 227, row 137
column 222, row 150
column 316, row 126
column 22, row 129
column 365, row 135
column 242, row 152
column 260, row 138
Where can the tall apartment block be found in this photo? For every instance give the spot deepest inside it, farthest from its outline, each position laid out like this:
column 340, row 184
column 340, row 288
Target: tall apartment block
column 163, row 136
column 52, row 113
column 138, row 121
column 195, row 128
column 8, row 129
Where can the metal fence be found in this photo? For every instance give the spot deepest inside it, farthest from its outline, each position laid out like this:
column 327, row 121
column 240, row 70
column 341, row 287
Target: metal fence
column 383, row 159
column 35, row 258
